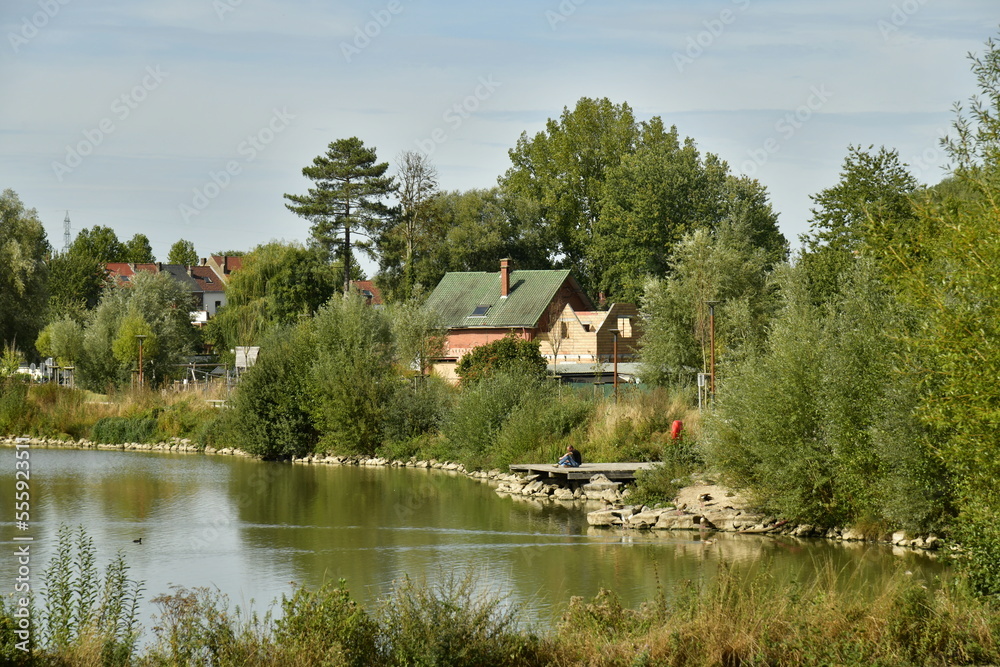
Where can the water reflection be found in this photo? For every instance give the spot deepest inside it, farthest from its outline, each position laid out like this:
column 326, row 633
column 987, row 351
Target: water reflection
column 251, row 529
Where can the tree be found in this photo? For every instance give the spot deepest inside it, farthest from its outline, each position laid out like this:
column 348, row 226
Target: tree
column 182, row 252
column 353, row 375
column 278, row 283
column 154, row 304
column 23, row 273
column 610, row 196
column 350, row 187
column 61, row 340
column 272, row 401
column 137, row 250
column 75, row 283
column 563, row 170
column 399, row 241
column 947, row 271
column 862, row 214
column 99, row 243
column 725, row 267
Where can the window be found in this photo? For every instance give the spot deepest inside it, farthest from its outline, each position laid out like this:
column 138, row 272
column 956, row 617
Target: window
column 625, row 327
column 480, row 311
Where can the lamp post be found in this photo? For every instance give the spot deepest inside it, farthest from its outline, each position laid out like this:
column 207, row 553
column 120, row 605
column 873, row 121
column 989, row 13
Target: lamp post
column 140, row 337
column 711, row 344
column 614, row 332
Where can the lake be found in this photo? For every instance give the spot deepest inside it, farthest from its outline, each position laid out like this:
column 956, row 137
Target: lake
column 251, row 529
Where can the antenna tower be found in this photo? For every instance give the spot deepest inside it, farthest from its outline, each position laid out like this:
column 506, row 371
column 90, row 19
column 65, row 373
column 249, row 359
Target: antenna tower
column 66, row 235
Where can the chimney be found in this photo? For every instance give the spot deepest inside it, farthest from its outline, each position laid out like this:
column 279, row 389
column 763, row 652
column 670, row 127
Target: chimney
column 504, row 277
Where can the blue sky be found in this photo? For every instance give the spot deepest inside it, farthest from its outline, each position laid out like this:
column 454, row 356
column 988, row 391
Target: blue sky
column 191, row 118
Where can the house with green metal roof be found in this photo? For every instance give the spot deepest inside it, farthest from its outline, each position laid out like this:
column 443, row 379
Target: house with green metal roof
column 548, row 306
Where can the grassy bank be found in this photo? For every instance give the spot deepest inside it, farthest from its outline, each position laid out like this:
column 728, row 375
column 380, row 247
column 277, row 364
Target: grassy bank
column 720, row 620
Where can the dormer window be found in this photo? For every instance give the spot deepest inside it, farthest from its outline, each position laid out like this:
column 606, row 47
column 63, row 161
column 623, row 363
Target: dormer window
column 480, row 311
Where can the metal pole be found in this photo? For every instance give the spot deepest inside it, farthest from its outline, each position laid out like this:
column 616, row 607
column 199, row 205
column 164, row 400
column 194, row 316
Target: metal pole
column 614, row 332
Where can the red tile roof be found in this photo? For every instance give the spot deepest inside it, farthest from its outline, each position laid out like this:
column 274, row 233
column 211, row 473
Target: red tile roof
column 369, row 291
column 207, row 279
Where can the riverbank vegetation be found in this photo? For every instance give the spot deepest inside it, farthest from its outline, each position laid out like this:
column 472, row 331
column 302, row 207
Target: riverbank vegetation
column 723, row 618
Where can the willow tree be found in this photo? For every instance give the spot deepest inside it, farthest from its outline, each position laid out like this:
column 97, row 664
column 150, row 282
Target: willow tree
column 347, row 198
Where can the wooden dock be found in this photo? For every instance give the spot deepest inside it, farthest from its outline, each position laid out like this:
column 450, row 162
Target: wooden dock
column 616, row 472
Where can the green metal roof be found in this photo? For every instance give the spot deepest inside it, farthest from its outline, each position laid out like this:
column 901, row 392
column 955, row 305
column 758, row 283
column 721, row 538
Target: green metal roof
column 459, row 294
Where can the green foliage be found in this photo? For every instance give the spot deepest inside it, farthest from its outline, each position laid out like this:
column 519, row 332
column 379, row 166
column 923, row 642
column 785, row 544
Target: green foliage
column 15, row 412
column 610, row 196
column 328, row 626
column 407, row 233
column 79, row 612
column 271, row 405
column 277, row 284
column 61, row 340
column 155, row 300
column 417, row 408
column 452, row 623
column 197, row 627
column 869, row 209
column 182, row 252
column 723, row 267
column 23, row 273
column 484, row 407
column 10, row 654
column 137, row 250
column 508, row 353
column 948, row 269
column 75, row 282
column 126, row 346
column 353, row 376
column 817, row 426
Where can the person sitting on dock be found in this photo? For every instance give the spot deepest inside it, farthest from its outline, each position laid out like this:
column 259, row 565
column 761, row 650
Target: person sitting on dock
column 572, row 458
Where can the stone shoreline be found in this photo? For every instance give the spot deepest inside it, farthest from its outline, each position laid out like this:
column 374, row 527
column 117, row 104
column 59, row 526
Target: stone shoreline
column 703, row 506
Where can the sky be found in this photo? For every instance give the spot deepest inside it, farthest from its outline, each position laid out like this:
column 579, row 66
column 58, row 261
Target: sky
column 191, row 118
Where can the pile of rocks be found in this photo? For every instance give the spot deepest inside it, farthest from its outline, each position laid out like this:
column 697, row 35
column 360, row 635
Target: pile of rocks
column 598, row 488
column 178, row 445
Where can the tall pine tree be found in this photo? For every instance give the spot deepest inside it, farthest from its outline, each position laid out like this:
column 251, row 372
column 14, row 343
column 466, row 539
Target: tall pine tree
column 350, row 187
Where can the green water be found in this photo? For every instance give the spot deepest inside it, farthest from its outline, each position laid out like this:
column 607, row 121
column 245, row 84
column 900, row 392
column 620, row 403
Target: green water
column 250, row 529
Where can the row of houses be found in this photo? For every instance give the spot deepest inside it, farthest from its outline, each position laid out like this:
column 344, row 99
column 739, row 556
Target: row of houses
column 547, row 306
column 207, row 281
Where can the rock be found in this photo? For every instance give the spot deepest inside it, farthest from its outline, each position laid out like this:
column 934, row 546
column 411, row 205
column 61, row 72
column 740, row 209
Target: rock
column 603, row 518
column 803, row 530
column 899, row 538
column 668, row 522
column 564, row 494
column 852, row 535
column 932, row 542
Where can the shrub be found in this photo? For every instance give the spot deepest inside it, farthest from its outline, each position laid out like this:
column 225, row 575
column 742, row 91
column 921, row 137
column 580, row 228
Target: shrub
column 196, row 627
column 327, row 626
column 510, row 353
column 271, row 405
column 78, row 612
column 452, row 624
column 482, row 409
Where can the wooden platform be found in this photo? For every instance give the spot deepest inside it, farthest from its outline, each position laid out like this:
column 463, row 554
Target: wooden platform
column 616, row 472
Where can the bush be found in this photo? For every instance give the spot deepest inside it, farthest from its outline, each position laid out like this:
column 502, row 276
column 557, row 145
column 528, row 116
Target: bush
column 271, row 405
column 417, row 408
column 509, row 354
column 81, row 615
column 196, row 627
column 327, row 626
column 482, row 409
column 452, row 624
